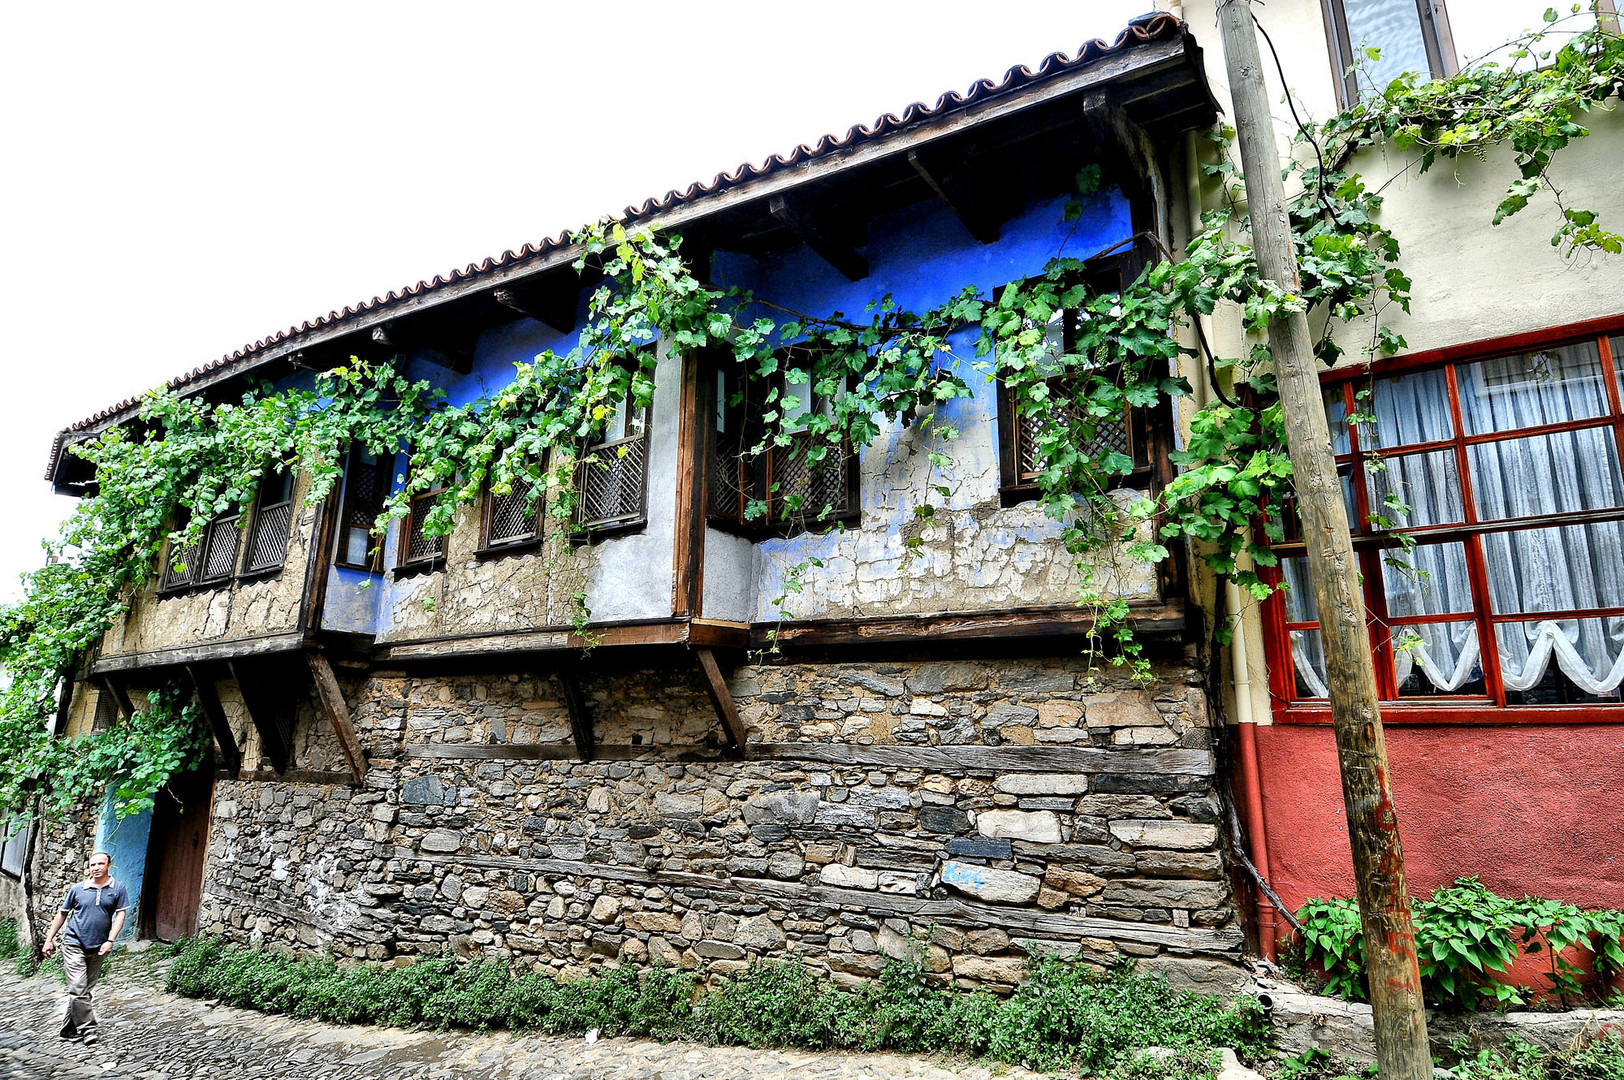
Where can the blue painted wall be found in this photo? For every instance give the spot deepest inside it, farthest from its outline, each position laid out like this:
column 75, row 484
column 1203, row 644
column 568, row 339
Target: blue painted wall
column 126, row 842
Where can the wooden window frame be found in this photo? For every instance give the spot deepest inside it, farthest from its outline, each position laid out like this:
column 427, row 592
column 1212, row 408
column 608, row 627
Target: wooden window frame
column 614, row 442
column 192, row 580
column 1490, row 707
column 756, row 476
column 373, row 563
column 1147, row 430
column 420, row 504
column 263, row 516
column 497, row 547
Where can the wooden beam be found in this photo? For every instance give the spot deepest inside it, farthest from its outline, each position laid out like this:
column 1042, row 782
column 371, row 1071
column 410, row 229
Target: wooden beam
column 1148, row 619
column 391, row 338
column 580, row 716
column 816, row 233
column 722, row 698
column 180, row 656
column 337, row 711
column 688, row 545
column 973, row 211
column 209, row 700
column 554, row 307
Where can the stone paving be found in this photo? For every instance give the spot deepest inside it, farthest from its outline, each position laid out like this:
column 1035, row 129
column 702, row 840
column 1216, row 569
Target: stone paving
column 150, row 1035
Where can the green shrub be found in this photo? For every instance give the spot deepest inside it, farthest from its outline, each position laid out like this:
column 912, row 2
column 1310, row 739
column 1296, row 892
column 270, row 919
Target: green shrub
column 1067, row 1015
column 1465, row 933
column 10, row 945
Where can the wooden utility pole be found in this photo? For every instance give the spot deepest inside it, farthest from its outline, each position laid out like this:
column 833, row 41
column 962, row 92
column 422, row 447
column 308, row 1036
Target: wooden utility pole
column 1378, row 865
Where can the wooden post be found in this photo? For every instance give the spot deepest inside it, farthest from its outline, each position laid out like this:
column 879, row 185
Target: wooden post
column 1402, row 1052
column 331, row 697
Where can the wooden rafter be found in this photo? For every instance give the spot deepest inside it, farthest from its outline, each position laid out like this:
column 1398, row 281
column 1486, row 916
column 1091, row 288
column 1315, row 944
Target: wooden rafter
column 551, row 307
column 815, row 232
column 331, row 698
column 267, row 694
column 974, row 212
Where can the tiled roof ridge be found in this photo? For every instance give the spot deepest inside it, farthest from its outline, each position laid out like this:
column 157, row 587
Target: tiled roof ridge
column 1144, row 30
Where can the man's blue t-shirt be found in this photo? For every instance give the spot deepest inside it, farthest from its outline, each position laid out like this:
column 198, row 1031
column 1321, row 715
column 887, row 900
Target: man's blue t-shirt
column 90, row 912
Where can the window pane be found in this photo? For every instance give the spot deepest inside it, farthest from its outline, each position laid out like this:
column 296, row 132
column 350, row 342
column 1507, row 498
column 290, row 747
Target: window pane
column 797, row 402
column 1437, row 658
column 1488, row 25
column 1417, row 490
column 1308, row 663
column 357, row 544
column 1528, row 389
column 1557, row 662
column 1299, row 592
column 1546, row 474
column 1410, row 409
column 1560, row 569
column 1428, row 580
column 276, row 487
column 1336, row 418
column 1394, row 27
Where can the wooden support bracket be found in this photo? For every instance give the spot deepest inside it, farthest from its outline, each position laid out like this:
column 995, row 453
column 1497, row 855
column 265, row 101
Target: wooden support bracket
column 580, row 717
column 267, row 695
column 337, row 712
column 816, row 234
column 974, row 213
column 721, row 698
column 390, row 338
column 554, row 308
column 209, row 700
column 121, row 697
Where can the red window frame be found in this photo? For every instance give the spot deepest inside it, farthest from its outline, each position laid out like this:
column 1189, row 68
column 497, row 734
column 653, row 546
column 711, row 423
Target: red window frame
column 1491, row 706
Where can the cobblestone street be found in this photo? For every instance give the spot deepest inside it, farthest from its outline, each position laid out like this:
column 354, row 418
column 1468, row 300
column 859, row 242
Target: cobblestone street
column 150, row 1035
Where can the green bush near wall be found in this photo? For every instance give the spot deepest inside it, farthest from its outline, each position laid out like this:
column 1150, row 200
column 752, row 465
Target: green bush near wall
column 1067, row 1016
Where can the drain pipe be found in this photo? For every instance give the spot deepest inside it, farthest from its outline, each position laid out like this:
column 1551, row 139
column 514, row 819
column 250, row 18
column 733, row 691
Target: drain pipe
column 1241, row 673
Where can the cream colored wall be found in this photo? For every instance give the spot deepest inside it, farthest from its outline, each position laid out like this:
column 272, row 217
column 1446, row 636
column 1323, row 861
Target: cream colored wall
column 1472, row 280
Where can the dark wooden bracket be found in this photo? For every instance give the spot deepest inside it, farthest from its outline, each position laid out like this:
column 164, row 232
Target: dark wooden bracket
column 813, row 230
column 331, row 698
column 554, row 308
column 974, row 212
column 721, row 698
column 121, row 697
column 268, row 697
column 209, row 700
column 580, row 716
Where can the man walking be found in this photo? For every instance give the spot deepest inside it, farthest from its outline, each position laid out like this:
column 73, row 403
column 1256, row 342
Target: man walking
column 94, row 911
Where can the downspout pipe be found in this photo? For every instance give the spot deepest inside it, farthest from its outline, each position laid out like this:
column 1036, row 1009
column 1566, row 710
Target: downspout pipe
column 1240, row 668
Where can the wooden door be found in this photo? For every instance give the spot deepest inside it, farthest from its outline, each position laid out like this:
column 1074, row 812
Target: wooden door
column 179, row 846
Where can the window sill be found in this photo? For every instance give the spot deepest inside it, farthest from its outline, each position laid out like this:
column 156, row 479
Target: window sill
column 784, row 529
column 422, row 566
column 215, row 585
column 593, row 534
column 263, row 574
column 502, row 551
column 1471, row 713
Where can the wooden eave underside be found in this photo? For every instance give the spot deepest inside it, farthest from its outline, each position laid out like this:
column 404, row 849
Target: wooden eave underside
column 1044, row 128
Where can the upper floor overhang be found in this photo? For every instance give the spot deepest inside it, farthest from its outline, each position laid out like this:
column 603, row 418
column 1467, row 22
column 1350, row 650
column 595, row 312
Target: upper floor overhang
column 983, row 153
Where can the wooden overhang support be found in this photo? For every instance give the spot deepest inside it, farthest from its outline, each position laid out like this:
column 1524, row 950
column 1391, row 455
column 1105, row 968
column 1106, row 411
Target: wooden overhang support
column 974, row 211
column 814, row 230
column 391, row 337
column 580, row 717
column 209, row 700
column 115, row 689
column 333, row 706
column 268, row 689
column 554, row 307
column 721, row 698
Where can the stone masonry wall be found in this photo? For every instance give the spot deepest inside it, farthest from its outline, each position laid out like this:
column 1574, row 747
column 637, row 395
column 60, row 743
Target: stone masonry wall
column 996, row 809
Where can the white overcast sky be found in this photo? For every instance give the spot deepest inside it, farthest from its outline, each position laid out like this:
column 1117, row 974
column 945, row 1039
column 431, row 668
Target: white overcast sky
column 180, row 181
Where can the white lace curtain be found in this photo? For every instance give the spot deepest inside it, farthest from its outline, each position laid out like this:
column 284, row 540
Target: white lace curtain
column 1531, row 570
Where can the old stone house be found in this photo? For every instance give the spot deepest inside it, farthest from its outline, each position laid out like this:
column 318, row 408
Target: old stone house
column 415, row 751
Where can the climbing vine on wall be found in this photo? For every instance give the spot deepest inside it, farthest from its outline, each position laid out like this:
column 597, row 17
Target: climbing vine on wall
column 188, row 461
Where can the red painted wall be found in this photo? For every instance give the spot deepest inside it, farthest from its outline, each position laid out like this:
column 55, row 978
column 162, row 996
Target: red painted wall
column 1535, row 809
